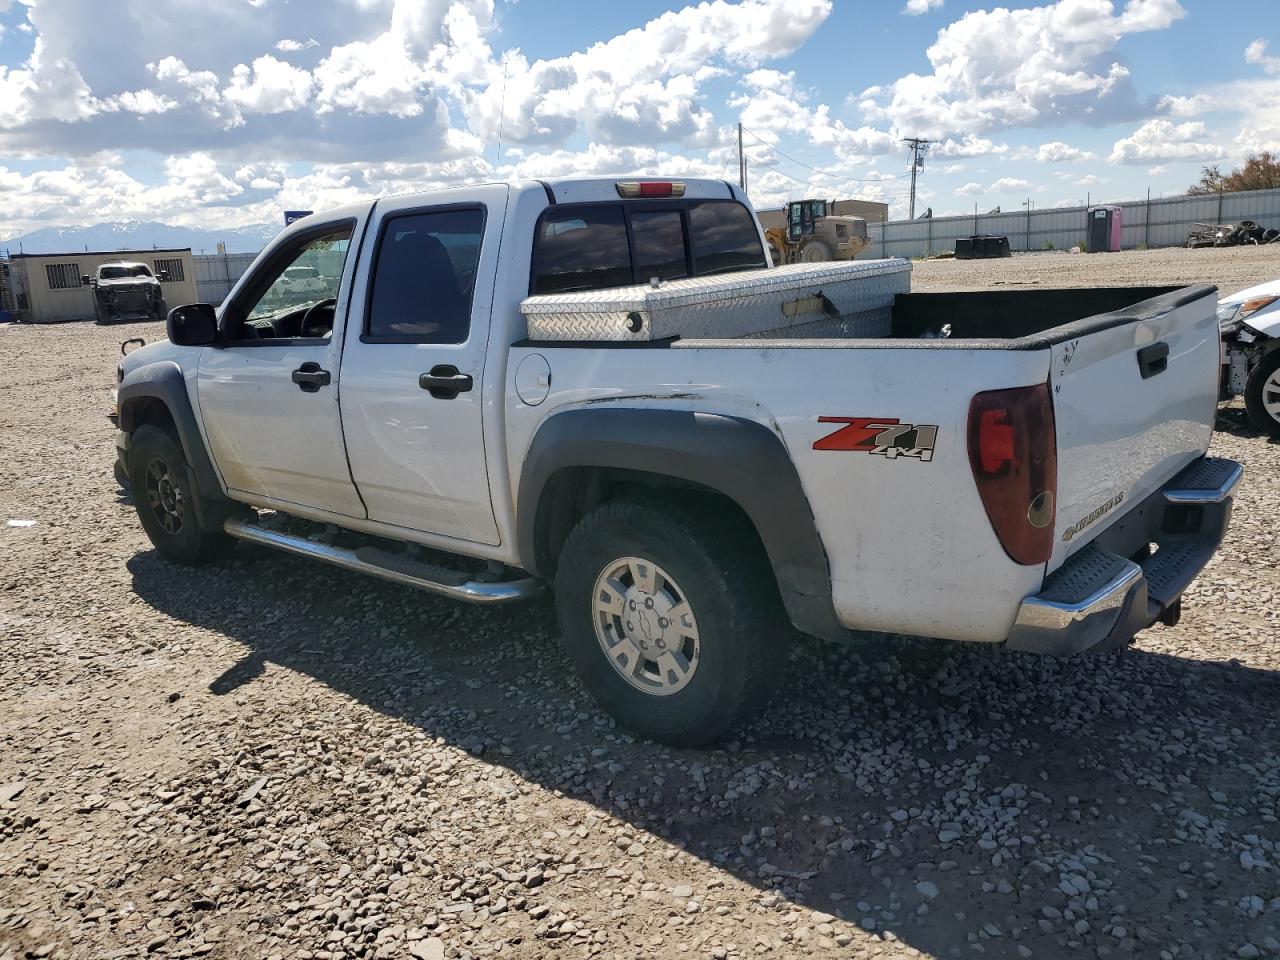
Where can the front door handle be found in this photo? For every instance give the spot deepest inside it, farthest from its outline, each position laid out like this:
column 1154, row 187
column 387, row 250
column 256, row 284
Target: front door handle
column 1153, row 359
column 310, row 378
column 444, row 382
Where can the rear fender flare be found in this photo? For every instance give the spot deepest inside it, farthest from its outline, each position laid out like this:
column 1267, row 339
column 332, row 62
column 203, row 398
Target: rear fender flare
column 743, row 460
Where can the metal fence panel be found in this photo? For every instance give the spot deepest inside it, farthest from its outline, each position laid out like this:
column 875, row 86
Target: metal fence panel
column 216, row 274
column 1158, row 222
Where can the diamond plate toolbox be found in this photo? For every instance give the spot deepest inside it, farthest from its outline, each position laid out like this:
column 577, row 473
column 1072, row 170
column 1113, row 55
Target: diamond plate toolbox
column 853, row 296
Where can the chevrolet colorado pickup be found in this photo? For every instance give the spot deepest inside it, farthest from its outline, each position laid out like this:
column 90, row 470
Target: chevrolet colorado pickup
column 126, row 291
column 600, row 385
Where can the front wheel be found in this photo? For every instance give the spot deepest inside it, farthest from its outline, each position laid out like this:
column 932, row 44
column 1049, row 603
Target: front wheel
column 818, row 251
column 672, row 619
column 1262, row 395
column 164, row 494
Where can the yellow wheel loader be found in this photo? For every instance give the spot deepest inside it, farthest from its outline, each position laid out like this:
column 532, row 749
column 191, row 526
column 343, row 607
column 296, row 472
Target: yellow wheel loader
column 811, row 235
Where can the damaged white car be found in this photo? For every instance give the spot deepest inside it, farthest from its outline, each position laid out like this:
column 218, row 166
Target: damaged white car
column 1250, row 325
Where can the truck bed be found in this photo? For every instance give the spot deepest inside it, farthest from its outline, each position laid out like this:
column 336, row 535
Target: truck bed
column 1010, row 319
column 1133, row 379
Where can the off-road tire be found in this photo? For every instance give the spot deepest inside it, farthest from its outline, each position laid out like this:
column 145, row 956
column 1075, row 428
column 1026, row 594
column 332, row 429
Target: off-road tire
column 817, row 251
column 154, row 455
column 1254, row 388
column 724, row 576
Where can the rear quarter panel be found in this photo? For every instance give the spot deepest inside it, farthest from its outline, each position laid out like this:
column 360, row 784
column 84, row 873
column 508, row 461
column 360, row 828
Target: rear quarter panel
column 909, row 544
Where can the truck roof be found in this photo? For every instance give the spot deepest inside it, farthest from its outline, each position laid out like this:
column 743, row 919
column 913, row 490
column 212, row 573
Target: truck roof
column 557, row 189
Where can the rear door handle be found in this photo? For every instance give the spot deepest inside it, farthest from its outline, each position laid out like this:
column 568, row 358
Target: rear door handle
column 310, row 378
column 1153, row 359
column 444, row 382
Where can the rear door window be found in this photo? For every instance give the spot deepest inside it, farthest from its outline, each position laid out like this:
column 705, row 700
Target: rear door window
column 424, row 277
column 581, row 248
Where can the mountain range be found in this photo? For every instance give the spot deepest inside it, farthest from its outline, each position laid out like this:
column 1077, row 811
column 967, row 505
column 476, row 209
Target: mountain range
column 140, row 235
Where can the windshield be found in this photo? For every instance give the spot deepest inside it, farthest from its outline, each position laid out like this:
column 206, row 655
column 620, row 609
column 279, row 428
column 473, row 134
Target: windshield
column 124, row 272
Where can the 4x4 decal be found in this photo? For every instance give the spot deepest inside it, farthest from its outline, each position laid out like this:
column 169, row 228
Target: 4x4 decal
column 881, row 436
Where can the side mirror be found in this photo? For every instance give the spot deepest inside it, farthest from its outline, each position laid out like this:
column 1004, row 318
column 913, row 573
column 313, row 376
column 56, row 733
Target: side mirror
column 86, row 280
column 164, row 276
column 194, row 325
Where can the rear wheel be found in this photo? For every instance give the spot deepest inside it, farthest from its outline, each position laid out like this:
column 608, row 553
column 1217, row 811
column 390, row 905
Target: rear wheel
column 671, row 618
column 1262, row 395
column 164, row 494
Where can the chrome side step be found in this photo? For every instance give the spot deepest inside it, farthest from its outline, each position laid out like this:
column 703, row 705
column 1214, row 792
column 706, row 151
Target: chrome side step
column 378, row 563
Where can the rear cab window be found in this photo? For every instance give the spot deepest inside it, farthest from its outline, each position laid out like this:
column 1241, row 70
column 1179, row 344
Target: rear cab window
column 594, row 246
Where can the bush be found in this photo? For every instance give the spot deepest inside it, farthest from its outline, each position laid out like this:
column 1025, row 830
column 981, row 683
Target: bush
column 1261, row 171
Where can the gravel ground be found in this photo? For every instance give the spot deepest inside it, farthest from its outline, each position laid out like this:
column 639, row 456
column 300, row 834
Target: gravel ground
column 273, row 759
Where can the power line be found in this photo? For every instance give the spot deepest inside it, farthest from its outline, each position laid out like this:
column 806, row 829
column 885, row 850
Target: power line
column 805, row 183
column 825, row 173
column 728, row 156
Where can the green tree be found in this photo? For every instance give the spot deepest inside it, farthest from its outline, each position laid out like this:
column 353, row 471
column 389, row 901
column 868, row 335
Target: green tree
column 1261, row 171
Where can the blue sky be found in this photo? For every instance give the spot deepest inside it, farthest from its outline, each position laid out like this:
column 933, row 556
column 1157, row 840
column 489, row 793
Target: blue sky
column 224, row 113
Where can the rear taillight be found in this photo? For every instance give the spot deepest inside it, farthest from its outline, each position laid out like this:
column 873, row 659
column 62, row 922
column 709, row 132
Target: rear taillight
column 1013, row 451
column 643, row 189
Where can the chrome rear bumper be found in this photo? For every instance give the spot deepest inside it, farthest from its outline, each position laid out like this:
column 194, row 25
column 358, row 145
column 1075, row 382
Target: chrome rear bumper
column 1099, row 599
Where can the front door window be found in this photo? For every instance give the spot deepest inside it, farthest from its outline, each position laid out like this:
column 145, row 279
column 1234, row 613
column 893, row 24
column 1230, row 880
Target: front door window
column 300, row 298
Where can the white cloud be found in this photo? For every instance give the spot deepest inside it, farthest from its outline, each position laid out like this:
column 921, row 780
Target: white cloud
column 1256, row 53
column 1003, row 67
column 967, row 146
column 46, row 87
column 1090, row 180
column 1058, row 152
column 1162, row 141
column 771, row 104
column 269, row 86
column 915, row 8
column 142, row 102
column 293, row 46
column 971, row 189
column 643, row 85
column 1005, row 184
column 1157, row 170
column 195, row 86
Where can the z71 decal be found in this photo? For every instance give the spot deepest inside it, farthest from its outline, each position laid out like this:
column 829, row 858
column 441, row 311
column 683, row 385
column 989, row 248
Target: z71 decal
column 882, row 436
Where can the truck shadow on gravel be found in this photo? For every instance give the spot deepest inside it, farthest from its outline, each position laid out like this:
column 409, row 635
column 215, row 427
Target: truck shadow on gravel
column 941, row 795
column 1235, row 421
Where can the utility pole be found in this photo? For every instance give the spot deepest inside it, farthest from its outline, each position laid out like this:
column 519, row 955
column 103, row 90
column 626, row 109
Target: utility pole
column 1029, row 204
column 742, row 162
column 919, row 149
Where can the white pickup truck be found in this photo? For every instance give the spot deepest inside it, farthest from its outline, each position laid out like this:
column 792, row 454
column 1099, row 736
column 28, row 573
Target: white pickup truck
column 1021, row 467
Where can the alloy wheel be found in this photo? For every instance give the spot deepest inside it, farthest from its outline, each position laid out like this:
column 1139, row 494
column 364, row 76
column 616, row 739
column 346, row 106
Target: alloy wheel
column 645, row 626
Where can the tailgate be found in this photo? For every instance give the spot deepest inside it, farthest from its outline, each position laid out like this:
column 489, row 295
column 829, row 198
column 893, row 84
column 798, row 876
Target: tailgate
column 1135, row 393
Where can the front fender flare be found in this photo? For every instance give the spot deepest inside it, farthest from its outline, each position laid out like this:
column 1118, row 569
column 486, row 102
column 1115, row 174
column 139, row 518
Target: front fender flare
column 738, row 458
column 164, row 382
